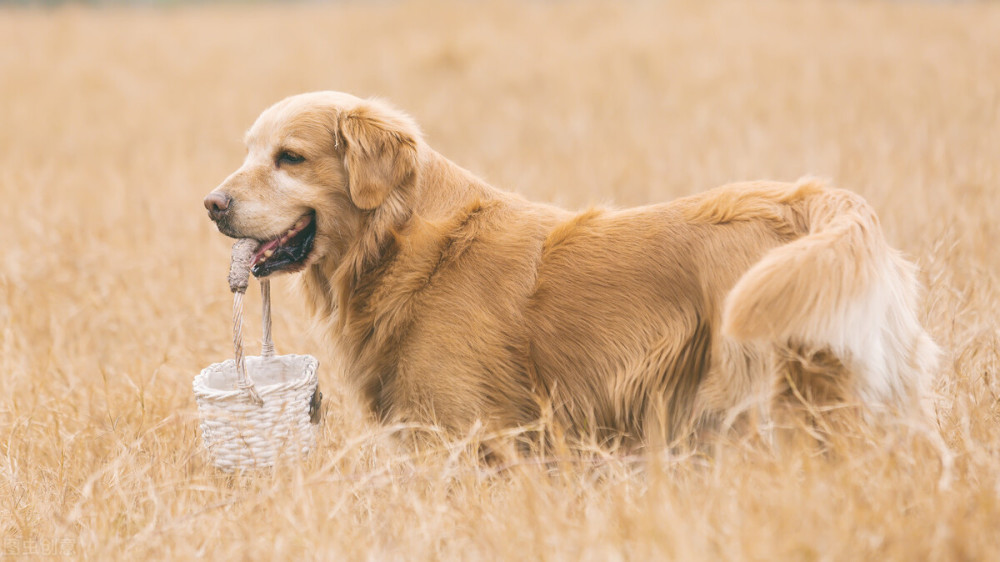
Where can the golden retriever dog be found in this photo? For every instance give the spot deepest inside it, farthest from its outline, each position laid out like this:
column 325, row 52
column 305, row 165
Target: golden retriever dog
column 451, row 302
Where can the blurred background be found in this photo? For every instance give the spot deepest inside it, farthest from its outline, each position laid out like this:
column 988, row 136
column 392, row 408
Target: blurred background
column 117, row 118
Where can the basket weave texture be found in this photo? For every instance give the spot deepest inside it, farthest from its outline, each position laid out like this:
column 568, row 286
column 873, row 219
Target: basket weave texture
column 242, row 435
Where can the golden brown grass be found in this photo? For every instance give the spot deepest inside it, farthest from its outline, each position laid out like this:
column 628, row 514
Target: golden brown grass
column 114, row 123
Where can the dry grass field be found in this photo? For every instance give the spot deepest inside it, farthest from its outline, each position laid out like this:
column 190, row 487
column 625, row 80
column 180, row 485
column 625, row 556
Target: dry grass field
column 114, row 123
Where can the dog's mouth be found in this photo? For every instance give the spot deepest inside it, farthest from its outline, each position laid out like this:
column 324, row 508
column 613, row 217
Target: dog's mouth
column 287, row 252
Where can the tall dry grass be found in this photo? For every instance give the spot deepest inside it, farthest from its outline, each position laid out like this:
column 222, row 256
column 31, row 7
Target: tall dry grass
column 114, row 123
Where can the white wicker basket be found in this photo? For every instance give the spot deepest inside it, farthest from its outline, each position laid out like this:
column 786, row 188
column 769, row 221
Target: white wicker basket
column 265, row 411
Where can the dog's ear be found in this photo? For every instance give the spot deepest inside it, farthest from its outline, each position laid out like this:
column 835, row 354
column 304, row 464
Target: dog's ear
column 380, row 153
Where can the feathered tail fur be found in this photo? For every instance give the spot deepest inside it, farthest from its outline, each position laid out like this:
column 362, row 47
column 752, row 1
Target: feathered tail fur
column 840, row 288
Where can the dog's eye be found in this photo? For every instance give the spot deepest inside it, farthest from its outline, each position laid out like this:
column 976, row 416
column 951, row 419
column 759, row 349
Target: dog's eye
column 288, row 157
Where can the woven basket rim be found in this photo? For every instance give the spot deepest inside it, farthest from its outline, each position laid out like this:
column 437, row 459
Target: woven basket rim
column 308, row 378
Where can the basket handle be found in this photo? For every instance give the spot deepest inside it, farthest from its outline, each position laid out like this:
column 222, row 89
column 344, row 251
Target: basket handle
column 243, row 381
column 266, row 344
column 239, row 276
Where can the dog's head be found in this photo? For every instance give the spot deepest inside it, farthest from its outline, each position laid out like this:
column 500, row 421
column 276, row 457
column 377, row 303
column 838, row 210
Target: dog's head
column 317, row 164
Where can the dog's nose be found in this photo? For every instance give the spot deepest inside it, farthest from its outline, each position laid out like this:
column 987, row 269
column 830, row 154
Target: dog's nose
column 217, row 204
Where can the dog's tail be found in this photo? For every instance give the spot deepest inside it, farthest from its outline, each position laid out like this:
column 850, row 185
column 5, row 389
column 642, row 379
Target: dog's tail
column 840, row 287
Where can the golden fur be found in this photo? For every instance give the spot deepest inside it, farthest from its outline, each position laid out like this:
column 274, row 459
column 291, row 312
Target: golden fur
column 450, row 301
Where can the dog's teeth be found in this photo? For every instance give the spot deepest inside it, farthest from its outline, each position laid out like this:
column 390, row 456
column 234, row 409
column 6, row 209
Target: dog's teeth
column 284, row 239
column 268, row 253
column 301, row 224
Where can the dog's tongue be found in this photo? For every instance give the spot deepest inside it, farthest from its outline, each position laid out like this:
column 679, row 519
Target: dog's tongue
column 285, row 252
column 264, row 247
